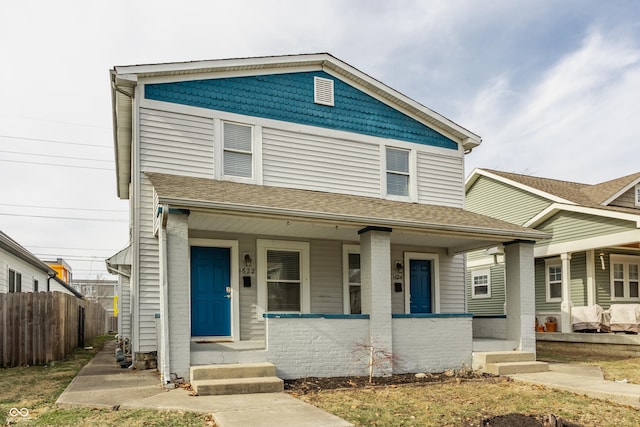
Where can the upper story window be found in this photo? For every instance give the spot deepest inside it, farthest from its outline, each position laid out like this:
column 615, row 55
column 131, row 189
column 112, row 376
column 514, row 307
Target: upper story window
column 15, row 281
column 397, row 172
column 625, row 278
column 553, row 273
column 480, row 284
column 238, row 150
column 637, row 195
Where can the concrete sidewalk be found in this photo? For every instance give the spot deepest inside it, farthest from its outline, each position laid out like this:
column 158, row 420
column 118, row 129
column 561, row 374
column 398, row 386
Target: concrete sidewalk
column 584, row 379
column 103, row 384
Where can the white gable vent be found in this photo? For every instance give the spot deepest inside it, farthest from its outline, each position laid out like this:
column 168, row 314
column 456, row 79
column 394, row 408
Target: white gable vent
column 323, row 91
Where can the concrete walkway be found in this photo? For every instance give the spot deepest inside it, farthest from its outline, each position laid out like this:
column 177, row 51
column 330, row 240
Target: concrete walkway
column 584, row 379
column 103, row 384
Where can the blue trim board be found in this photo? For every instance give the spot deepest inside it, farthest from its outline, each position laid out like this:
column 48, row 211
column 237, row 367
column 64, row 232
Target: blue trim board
column 313, row 316
column 289, row 97
column 429, row 315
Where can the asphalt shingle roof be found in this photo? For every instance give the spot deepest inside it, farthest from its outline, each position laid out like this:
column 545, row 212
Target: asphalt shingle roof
column 208, row 192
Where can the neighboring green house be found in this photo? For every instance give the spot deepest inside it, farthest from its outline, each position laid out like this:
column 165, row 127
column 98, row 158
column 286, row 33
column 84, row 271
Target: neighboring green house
column 592, row 258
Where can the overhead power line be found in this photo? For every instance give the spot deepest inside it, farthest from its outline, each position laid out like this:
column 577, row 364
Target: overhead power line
column 53, row 164
column 67, row 218
column 56, row 156
column 55, row 141
column 65, row 208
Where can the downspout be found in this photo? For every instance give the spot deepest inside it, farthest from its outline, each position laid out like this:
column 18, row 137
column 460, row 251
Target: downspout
column 164, row 300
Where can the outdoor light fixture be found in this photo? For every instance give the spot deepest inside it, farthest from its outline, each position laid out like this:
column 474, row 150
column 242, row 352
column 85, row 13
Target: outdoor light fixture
column 602, row 260
column 247, row 259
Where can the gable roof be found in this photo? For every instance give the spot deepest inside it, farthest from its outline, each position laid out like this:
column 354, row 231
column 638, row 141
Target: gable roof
column 189, row 192
column 124, row 80
column 587, row 195
column 14, row 248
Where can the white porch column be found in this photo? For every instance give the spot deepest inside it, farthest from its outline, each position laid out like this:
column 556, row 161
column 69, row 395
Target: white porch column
column 375, row 276
column 520, row 281
column 179, row 318
column 591, row 278
column 565, row 306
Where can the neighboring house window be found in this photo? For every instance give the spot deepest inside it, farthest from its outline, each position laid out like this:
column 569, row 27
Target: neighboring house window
column 283, row 276
column 553, row 270
column 637, row 195
column 15, row 281
column 351, row 279
column 397, row 172
column 238, row 150
column 35, row 285
column 625, row 278
column 481, row 284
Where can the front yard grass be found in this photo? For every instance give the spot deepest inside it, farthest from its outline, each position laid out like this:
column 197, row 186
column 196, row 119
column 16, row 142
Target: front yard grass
column 37, row 388
column 614, row 369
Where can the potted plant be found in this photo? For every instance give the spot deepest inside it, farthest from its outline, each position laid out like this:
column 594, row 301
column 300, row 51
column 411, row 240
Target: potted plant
column 551, row 324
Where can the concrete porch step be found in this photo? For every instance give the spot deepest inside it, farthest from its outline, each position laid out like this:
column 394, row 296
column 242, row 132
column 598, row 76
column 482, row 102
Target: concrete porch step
column 238, row 386
column 480, row 359
column 510, row 368
column 236, row 378
column 233, row 370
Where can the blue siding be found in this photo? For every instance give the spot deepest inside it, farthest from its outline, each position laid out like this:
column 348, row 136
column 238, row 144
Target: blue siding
column 289, row 97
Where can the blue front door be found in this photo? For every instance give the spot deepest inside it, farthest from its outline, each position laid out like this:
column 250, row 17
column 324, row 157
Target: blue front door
column 210, row 302
column 420, row 284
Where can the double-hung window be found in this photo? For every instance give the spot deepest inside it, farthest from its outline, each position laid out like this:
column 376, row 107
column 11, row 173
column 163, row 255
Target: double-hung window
column 283, row 276
column 398, row 172
column 237, row 150
column 481, row 284
column 553, row 273
column 15, row 281
column 625, row 278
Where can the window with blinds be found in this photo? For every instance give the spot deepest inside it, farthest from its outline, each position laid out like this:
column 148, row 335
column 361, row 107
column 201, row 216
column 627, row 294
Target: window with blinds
column 238, row 150
column 397, row 172
column 283, row 280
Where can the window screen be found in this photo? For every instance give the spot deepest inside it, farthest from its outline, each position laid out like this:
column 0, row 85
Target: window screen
column 397, row 172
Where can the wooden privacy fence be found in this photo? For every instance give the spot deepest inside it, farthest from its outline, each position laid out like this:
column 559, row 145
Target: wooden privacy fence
column 40, row 327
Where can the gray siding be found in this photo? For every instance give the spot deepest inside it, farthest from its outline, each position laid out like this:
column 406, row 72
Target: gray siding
column 326, row 277
column 176, row 143
column 626, row 199
column 440, row 179
column 579, row 278
column 452, row 287
column 498, row 200
column 312, row 162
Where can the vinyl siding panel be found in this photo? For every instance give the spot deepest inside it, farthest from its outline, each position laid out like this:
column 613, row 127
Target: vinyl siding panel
column 148, row 279
column 452, row 286
column 176, row 143
column 28, row 272
column 626, row 200
column 493, row 306
column 603, row 277
column 312, row 162
column 498, row 200
column 579, row 278
column 570, row 226
column 251, row 326
column 326, row 277
column 440, row 179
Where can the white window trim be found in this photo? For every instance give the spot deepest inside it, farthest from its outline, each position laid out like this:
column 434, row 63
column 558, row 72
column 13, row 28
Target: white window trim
column 625, row 260
column 476, row 273
column 346, row 295
column 435, row 262
column 234, row 277
column 413, row 181
column 305, row 291
column 256, row 152
column 552, row 262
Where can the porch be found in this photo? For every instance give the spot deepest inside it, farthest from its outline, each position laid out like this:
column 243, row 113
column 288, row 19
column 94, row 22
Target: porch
column 604, row 344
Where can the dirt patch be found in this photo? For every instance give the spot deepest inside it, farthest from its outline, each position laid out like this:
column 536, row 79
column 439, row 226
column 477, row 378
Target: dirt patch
column 305, row 386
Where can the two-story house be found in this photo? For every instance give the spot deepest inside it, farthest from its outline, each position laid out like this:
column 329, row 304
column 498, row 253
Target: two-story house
column 292, row 210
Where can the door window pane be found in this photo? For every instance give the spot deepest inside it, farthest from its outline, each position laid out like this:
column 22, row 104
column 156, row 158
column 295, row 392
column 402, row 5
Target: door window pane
column 354, row 284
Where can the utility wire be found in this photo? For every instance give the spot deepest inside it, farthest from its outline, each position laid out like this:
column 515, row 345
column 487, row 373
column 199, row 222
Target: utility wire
column 54, row 141
column 67, row 218
column 53, row 164
column 70, row 209
column 58, row 157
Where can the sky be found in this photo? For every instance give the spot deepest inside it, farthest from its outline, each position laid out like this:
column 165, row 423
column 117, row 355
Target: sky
column 552, row 88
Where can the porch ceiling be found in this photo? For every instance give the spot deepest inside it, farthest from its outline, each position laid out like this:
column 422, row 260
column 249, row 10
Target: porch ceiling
column 229, row 207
